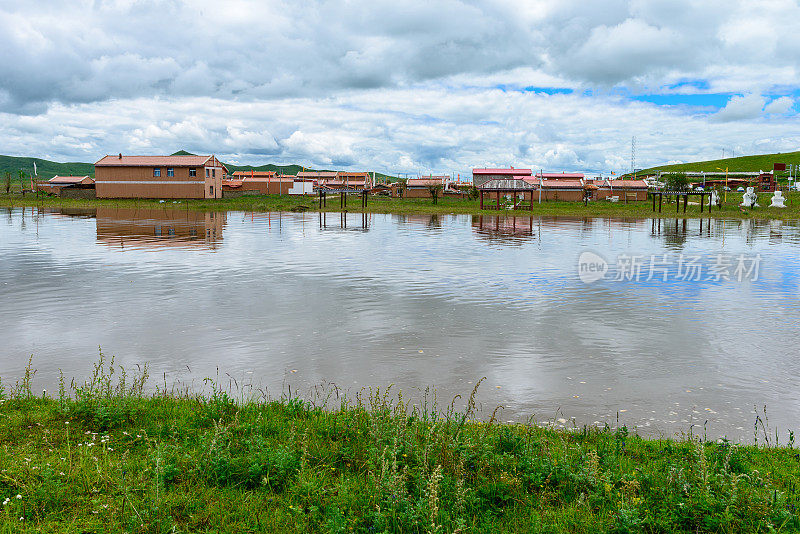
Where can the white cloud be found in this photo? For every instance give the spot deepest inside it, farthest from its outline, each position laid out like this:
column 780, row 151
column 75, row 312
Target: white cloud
column 741, row 107
column 779, row 105
column 274, row 49
column 397, row 130
column 394, row 86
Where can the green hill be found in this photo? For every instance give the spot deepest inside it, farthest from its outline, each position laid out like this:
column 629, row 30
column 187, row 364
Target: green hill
column 760, row 162
column 46, row 169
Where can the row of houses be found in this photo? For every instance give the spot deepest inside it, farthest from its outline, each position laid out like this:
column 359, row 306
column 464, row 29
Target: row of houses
column 198, row 177
column 188, row 176
column 575, row 187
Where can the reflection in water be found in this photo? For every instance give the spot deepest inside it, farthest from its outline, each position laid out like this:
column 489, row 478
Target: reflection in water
column 431, row 221
column 344, row 221
column 145, row 227
column 504, row 229
column 369, row 300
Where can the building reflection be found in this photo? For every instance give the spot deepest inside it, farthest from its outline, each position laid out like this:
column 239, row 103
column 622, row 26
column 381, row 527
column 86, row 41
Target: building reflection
column 432, row 220
column 146, row 227
column 504, row 228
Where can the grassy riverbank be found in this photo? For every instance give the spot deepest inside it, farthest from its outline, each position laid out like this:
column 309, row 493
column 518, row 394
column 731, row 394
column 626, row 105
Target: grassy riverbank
column 730, row 208
column 106, row 457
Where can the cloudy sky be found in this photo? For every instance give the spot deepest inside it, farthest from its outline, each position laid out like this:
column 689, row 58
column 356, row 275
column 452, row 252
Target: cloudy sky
column 411, row 86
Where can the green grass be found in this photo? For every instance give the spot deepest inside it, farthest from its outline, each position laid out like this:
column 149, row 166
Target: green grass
column 760, row 162
column 107, row 457
column 264, row 203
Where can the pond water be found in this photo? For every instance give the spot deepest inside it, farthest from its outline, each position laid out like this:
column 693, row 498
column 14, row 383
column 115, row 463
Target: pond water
column 664, row 325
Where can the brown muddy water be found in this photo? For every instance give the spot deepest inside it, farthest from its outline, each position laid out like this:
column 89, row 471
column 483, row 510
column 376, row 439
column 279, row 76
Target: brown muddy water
column 667, row 326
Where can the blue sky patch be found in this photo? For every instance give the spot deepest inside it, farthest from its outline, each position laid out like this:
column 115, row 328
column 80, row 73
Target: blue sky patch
column 713, row 100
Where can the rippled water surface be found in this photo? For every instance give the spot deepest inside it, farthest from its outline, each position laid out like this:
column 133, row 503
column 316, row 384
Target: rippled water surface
column 279, row 300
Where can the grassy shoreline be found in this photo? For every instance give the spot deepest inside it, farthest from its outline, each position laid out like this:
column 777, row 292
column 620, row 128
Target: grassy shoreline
column 265, row 203
column 108, row 457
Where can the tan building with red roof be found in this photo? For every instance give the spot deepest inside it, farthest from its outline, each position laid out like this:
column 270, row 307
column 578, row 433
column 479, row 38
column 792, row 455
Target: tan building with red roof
column 159, row 177
column 317, row 177
column 625, row 190
column 347, row 180
column 481, row 176
column 68, row 186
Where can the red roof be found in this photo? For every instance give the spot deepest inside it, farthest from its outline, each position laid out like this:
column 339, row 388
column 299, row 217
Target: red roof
column 425, row 182
column 635, row 184
column 343, row 182
column 70, row 180
column 511, row 172
column 549, row 175
column 253, row 174
column 316, row 174
column 554, row 183
column 239, row 180
column 155, row 161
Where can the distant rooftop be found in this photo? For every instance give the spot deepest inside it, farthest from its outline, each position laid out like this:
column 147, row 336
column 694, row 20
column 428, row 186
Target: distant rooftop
column 512, row 172
column 153, row 161
column 70, row 180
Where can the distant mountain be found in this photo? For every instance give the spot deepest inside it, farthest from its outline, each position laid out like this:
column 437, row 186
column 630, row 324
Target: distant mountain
column 760, row 162
column 292, row 169
column 48, row 169
column 283, row 169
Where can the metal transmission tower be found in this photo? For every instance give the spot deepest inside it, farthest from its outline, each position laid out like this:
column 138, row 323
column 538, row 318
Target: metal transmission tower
column 633, row 156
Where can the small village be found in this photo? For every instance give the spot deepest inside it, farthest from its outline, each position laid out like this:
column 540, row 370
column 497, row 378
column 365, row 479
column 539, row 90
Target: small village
column 206, row 177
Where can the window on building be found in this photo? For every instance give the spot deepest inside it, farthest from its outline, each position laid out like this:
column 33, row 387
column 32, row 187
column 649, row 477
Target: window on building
column 156, row 173
column 170, row 172
column 192, row 172
column 207, row 173
column 213, row 172
column 211, row 190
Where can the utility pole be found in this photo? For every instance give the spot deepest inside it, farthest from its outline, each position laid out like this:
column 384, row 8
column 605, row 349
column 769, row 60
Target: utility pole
column 541, row 183
column 633, row 156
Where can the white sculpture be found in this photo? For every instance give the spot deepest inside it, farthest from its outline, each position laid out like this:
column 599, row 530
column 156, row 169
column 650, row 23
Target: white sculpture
column 778, row 200
column 749, row 199
column 714, row 198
